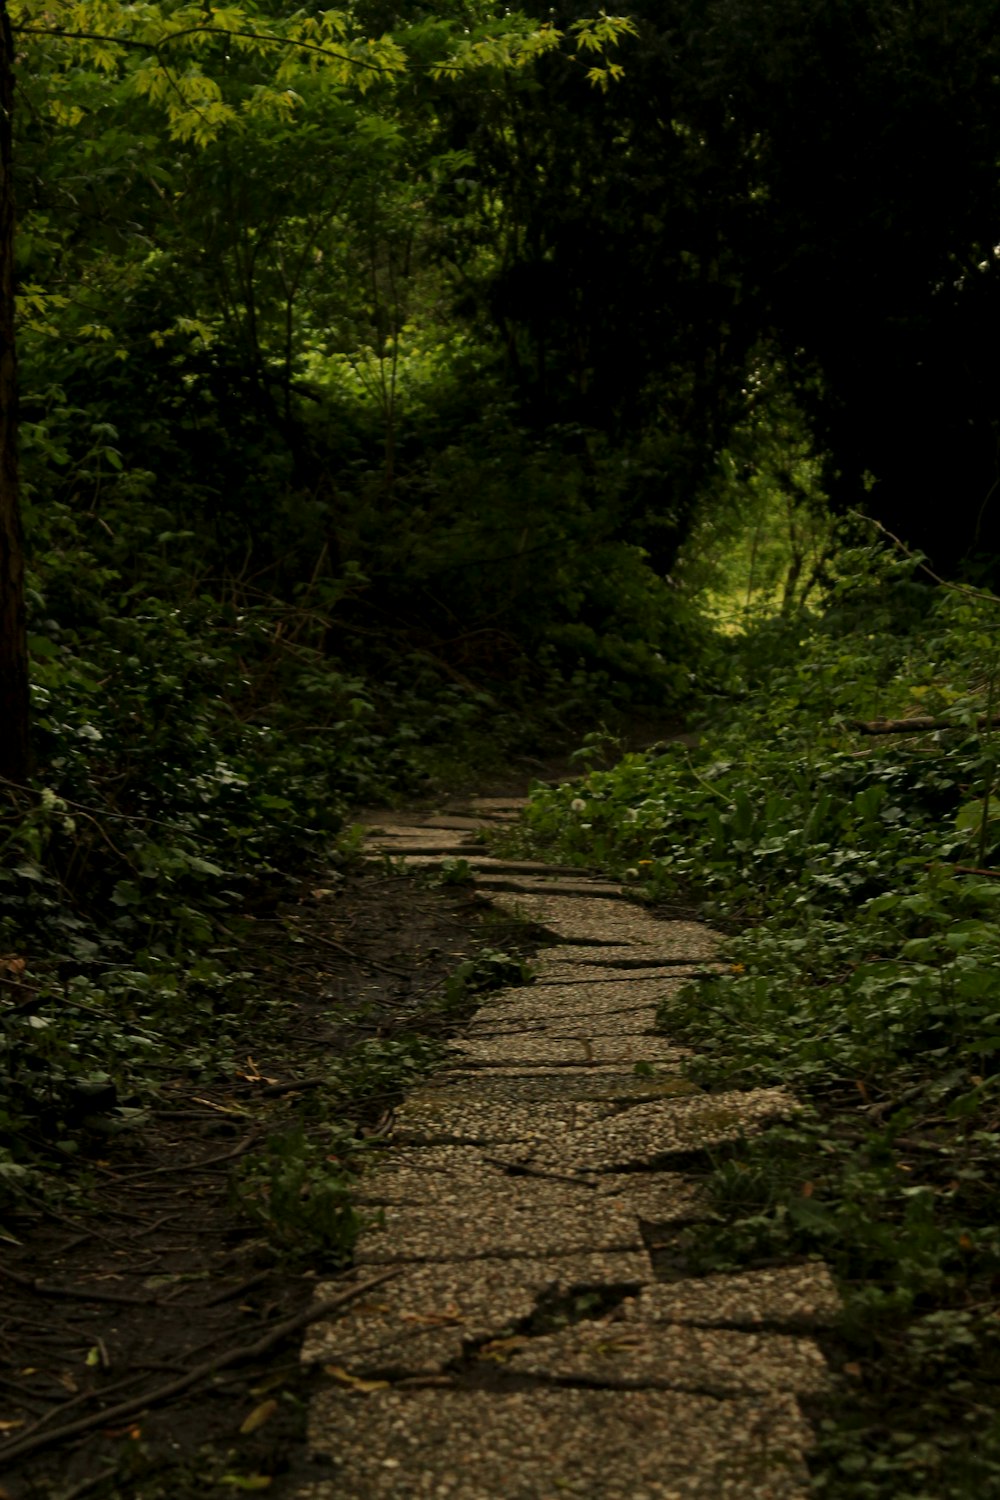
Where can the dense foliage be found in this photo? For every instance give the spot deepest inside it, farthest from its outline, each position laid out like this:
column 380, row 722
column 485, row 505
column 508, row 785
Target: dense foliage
column 854, row 874
column 404, row 387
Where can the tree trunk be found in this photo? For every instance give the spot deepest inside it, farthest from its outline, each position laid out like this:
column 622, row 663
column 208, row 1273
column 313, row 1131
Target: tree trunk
column 13, row 635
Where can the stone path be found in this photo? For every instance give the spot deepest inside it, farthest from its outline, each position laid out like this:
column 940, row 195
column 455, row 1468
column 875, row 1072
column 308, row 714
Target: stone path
column 521, row 1345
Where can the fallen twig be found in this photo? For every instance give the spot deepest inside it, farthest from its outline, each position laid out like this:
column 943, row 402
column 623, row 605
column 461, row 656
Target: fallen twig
column 200, row 1166
column 919, row 724
column 74, row 1293
column 32, row 1441
column 364, row 963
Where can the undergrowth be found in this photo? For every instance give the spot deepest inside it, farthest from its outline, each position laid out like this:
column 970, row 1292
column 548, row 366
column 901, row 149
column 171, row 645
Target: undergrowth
column 199, row 749
column 858, row 878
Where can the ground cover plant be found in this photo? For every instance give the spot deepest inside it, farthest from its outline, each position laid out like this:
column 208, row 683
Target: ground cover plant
column 855, row 873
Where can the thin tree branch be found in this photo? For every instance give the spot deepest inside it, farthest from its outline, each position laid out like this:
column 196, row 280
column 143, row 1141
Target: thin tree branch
column 242, row 1354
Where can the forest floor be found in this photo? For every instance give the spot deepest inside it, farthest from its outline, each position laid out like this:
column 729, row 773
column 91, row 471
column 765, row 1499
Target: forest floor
column 120, row 1301
column 150, row 1320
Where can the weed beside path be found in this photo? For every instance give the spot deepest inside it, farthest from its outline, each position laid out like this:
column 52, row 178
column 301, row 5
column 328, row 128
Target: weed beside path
column 856, row 871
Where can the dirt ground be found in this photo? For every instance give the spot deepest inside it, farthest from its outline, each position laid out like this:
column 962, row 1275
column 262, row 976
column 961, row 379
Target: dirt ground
column 149, row 1334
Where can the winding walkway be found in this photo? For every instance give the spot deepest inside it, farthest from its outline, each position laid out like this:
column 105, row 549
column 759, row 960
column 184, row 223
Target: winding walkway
column 523, row 1346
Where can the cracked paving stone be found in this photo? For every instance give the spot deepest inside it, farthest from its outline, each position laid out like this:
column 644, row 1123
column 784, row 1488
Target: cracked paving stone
column 539, row 1444
column 640, row 1135
column 582, row 1068
column 497, row 804
column 431, row 1117
column 569, row 1051
column 566, row 961
column 802, row 1296
column 598, row 920
column 654, row 1197
column 539, row 1002
column 407, row 1174
column 640, row 1020
column 554, row 885
column 422, row 1320
column 479, row 858
column 563, row 1084
column 520, row 1216
column 457, row 822
column 419, row 844
column 668, row 1356
column 531, row 1016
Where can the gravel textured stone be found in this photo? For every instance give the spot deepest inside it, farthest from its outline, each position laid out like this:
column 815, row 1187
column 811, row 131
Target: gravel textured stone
column 469, row 822
column 540, row 1444
column 565, row 962
column 803, row 1296
column 646, row 1132
column 426, row 1316
column 663, row 1073
column 564, row 1084
column 521, row 1216
column 655, row 1197
column 598, row 920
column 666, row 1356
column 400, row 843
column 569, row 1051
column 496, row 805
column 640, row 1020
column 479, row 859
column 539, row 1001
column 433, row 1118
column 554, row 885
column 523, row 1175
column 495, row 1020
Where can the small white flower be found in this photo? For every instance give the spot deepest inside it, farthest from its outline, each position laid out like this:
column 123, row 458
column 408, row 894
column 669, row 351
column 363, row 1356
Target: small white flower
column 631, row 873
column 578, row 805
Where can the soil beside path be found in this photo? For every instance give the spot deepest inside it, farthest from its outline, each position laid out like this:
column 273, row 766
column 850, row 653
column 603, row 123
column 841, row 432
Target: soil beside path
column 519, row 1342
column 155, row 1267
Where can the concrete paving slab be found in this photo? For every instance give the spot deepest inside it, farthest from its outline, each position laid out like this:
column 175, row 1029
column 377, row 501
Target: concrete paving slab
column 667, row 1356
column 380, row 845
column 569, row 1052
column 462, row 1166
column 642, row 1135
column 565, row 1022
column 655, row 1197
column 637, row 1021
column 539, row 1444
column 532, row 1014
column 497, row 804
column 522, row 1216
column 563, row 962
column 529, row 885
column 434, row 1117
column 597, row 920
column 390, row 827
column 538, row 1001
column 564, row 1084
column 479, row 859
column 458, row 822
column 424, row 1318
column 803, row 1296
column 524, row 1172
